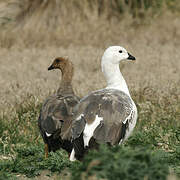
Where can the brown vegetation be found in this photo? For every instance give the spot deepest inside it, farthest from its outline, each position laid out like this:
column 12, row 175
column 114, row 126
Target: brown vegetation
column 38, row 31
column 24, row 69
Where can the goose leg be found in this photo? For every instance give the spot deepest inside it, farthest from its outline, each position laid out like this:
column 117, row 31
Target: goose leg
column 46, row 150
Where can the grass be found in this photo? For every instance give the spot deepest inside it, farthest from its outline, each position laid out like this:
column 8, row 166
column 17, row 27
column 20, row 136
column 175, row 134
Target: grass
column 123, row 163
column 30, row 161
column 155, row 142
column 50, row 21
column 32, row 34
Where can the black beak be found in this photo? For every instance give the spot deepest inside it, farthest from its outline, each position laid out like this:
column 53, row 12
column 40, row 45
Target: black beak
column 50, row 67
column 131, row 57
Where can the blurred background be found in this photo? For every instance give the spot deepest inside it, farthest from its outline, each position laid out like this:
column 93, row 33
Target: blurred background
column 34, row 32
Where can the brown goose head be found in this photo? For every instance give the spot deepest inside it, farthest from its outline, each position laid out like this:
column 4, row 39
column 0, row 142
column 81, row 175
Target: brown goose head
column 60, row 63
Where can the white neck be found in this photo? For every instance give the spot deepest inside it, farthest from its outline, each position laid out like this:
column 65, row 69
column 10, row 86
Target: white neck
column 114, row 77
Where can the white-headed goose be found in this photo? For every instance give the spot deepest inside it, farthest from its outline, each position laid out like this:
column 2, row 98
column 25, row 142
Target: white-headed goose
column 107, row 115
column 55, row 118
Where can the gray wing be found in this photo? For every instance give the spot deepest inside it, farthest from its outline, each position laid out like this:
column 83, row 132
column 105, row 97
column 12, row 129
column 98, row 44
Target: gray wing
column 113, row 106
column 70, row 102
column 56, row 113
column 51, row 115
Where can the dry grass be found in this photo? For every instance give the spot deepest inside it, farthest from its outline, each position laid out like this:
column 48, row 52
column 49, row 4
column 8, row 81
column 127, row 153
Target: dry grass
column 98, row 23
column 24, row 70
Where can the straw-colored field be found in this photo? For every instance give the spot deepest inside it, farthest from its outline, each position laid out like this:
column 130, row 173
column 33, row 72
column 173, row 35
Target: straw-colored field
column 30, row 41
column 23, row 70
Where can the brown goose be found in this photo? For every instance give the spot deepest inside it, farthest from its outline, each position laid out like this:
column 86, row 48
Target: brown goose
column 56, row 113
column 108, row 115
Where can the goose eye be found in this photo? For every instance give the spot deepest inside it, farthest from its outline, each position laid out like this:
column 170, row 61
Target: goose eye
column 120, row 51
column 57, row 60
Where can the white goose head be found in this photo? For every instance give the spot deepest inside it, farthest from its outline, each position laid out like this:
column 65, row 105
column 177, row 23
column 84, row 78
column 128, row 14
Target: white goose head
column 110, row 67
column 114, row 54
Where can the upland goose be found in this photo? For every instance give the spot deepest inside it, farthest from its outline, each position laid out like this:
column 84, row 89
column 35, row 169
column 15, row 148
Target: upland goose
column 107, row 115
column 56, row 113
